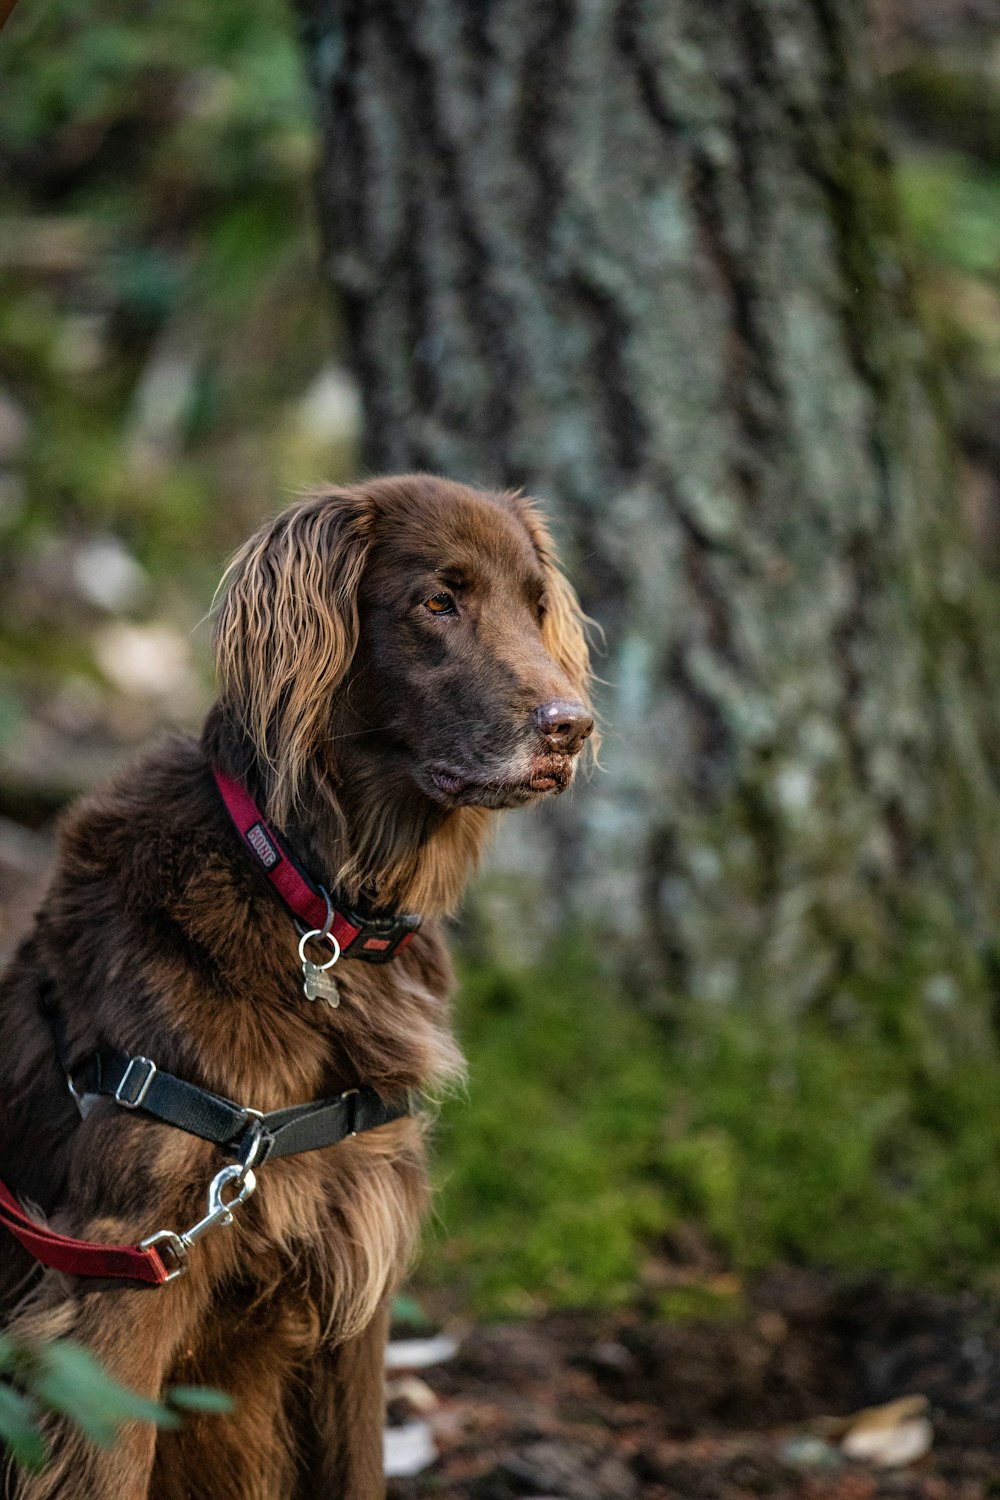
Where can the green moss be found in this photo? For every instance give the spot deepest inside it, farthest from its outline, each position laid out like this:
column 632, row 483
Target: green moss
column 548, row 1169
column 952, row 208
column 586, row 1135
column 701, row 1302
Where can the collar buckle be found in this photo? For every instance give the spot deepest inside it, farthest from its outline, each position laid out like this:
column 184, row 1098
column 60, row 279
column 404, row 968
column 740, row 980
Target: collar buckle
column 379, row 939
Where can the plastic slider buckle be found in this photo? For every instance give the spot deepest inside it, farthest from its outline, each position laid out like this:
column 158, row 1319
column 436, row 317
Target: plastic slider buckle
column 379, row 939
column 135, row 1086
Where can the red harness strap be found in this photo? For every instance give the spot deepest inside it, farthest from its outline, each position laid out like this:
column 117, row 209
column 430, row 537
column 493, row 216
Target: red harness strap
column 79, row 1257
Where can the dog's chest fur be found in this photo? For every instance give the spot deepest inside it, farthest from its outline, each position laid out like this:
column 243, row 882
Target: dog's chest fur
column 163, row 940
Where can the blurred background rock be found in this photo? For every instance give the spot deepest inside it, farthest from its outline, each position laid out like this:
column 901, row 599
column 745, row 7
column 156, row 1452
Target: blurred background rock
column 166, row 379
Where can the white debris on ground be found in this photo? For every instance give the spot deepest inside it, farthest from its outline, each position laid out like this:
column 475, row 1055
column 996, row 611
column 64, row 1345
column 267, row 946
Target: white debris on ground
column 807, row 1451
column 409, row 1447
column 418, row 1354
column 890, row 1436
column 407, row 1450
column 412, row 1392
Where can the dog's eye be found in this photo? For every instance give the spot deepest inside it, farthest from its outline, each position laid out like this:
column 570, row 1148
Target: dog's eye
column 543, row 608
column 440, row 604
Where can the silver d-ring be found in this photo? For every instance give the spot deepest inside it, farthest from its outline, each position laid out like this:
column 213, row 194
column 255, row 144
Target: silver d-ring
column 317, row 932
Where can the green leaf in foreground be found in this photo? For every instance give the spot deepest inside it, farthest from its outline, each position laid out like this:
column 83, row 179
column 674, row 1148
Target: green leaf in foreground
column 19, row 1428
column 407, row 1310
column 69, row 1380
column 64, row 1379
column 198, row 1398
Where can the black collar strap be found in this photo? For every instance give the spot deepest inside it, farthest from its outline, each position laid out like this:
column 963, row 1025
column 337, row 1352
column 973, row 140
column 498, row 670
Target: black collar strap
column 375, row 938
column 137, row 1083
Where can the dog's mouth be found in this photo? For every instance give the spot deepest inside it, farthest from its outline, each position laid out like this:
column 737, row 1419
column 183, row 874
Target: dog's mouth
column 459, row 788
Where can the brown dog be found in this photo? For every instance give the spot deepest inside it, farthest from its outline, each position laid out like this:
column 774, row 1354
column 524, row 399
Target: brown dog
column 397, row 661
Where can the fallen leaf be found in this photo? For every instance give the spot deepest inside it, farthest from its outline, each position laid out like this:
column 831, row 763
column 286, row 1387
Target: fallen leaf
column 889, row 1436
column 890, row 1447
column 416, row 1393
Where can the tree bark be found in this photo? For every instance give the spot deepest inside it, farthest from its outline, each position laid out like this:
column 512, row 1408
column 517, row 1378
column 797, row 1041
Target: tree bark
column 639, row 257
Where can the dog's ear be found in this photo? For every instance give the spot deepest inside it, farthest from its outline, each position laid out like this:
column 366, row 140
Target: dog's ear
column 287, row 629
column 564, row 625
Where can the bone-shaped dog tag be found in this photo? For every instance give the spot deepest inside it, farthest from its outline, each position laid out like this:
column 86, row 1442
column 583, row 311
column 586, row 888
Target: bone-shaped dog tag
column 319, row 985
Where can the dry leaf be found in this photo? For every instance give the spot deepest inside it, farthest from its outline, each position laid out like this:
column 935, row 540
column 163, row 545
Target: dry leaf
column 889, row 1436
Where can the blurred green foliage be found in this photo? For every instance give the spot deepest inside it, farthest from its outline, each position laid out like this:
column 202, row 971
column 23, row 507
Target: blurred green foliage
column 947, row 129
column 165, row 349
column 951, row 204
column 60, row 1378
column 953, row 208
column 156, row 222
column 589, row 1140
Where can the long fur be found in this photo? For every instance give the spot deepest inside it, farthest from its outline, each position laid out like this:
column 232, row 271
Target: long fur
column 286, row 632
column 158, row 936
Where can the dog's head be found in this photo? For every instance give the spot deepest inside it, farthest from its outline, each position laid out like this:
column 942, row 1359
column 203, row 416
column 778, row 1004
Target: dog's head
column 418, row 623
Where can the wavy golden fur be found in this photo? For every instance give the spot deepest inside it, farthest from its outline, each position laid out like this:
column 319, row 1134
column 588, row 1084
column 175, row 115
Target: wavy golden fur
column 287, row 630
column 397, row 662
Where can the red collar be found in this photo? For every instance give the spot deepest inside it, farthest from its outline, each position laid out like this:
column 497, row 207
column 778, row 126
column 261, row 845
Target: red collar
column 376, row 939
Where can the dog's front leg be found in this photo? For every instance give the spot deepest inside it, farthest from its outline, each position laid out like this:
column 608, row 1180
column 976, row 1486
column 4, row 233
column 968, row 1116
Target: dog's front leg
column 344, row 1418
column 134, row 1334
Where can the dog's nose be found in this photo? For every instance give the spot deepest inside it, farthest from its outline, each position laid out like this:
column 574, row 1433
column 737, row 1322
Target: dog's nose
column 563, row 726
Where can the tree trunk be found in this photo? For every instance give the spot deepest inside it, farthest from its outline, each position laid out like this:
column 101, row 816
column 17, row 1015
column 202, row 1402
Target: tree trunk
column 639, row 257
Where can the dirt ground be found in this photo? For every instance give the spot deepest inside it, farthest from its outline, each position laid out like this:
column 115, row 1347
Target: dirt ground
column 590, row 1407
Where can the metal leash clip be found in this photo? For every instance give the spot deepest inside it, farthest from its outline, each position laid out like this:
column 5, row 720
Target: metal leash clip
column 220, row 1213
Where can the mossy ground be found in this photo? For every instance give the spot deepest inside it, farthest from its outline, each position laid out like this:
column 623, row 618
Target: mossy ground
column 588, row 1136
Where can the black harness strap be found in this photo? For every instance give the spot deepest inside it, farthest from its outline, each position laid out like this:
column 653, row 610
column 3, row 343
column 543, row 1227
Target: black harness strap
column 304, row 1127
column 137, row 1083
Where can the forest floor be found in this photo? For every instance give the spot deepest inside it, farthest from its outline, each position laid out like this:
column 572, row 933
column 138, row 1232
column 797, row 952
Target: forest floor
column 618, row 1407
